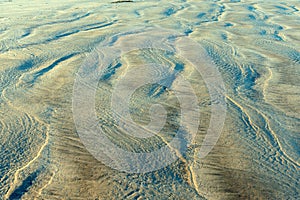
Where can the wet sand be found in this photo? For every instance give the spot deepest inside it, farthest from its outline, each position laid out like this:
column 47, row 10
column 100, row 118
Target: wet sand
column 255, row 46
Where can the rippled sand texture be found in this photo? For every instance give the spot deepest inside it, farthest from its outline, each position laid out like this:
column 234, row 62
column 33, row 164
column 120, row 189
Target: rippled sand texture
column 255, row 45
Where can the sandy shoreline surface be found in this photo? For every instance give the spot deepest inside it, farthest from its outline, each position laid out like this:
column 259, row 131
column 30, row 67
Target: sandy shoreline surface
column 255, row 45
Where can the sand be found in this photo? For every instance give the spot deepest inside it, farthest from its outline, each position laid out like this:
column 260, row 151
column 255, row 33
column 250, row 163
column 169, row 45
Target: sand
column 253, row 44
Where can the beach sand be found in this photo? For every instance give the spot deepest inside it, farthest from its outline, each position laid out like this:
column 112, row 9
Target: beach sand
column 253, row 44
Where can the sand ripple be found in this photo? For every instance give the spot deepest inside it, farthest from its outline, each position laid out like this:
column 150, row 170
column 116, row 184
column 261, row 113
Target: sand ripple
column 255, row 46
